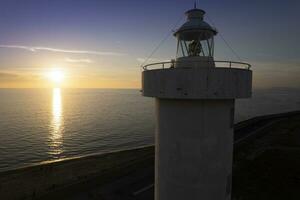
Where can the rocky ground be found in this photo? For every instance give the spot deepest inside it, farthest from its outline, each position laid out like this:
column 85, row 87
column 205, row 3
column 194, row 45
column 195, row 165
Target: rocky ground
column 267, row 166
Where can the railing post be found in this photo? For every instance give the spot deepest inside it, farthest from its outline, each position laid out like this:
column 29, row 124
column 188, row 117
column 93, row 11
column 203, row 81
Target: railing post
column 230, row 64
column 163, row 65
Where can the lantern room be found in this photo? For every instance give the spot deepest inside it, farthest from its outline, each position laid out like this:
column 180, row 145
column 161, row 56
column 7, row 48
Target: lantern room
column 195, row 38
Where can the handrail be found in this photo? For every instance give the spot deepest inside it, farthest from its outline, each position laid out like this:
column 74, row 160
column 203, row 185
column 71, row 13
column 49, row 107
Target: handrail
column 172, row 63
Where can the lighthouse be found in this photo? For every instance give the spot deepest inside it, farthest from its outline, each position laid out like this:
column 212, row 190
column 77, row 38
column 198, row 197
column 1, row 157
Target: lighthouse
column 194, row 102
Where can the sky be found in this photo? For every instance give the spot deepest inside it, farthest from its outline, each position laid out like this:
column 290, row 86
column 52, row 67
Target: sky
column 102, row 44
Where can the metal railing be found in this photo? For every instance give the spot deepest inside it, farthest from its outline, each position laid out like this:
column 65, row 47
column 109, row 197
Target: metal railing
column 171, row 64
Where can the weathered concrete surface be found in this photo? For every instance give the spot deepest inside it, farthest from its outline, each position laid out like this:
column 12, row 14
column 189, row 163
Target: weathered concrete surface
column 197, row 83
column 194, row 142
column 195, row 61
column 194, row 134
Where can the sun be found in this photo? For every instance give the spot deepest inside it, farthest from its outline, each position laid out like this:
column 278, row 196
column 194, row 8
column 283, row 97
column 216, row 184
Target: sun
column 56, row 75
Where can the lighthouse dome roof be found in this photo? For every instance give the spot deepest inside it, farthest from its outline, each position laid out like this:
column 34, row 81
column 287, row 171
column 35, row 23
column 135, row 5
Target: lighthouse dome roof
column 196, row 25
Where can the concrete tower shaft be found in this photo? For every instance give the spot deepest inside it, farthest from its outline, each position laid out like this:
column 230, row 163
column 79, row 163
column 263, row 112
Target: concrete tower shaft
column 193, row 149
column 195, row 116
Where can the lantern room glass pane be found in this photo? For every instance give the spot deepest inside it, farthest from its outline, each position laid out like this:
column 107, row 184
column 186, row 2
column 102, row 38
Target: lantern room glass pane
column 197, row 47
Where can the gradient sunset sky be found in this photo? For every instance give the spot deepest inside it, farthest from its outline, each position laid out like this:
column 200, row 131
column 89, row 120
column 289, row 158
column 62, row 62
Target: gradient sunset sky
column 101, row 44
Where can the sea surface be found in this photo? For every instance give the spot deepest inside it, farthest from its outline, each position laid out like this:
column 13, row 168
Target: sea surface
column 40, row 125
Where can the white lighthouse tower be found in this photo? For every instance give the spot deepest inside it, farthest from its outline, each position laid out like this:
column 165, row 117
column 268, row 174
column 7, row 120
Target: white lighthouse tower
column 195, row 115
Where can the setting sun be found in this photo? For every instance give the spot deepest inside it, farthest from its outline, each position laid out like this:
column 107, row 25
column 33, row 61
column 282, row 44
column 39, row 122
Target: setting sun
column 56, row 75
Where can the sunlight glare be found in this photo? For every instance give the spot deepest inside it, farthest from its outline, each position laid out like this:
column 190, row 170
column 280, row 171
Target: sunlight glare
column 56, row 75
column 56, row 133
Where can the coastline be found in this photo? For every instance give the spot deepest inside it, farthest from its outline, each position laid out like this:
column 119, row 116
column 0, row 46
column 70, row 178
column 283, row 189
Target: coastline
column 39, row 181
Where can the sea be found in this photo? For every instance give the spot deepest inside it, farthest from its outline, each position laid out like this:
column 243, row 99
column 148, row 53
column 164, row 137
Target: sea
column 44, row 125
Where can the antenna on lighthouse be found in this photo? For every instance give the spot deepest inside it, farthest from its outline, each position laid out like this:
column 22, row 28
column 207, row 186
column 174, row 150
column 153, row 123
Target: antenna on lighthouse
column 195, row 5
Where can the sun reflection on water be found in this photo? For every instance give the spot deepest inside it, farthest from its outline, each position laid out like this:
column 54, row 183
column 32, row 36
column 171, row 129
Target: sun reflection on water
column 56, row 124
